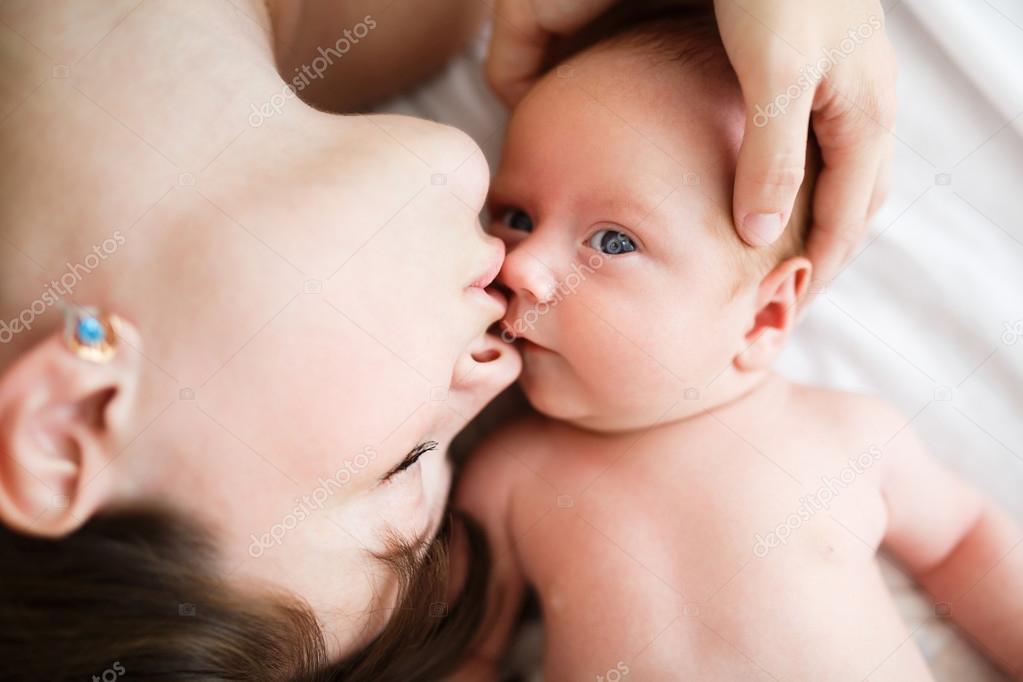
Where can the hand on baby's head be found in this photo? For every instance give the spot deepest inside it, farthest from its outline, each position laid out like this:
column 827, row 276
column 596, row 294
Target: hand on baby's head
column 632, row 298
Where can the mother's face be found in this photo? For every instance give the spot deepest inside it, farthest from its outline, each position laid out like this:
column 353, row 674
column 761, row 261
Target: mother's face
column 351, row 349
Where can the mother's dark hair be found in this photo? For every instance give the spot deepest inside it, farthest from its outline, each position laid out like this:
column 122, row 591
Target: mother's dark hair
column 136, row 593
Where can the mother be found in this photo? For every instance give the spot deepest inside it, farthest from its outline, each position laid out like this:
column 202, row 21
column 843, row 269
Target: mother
column 303, row 316
column 251, row 485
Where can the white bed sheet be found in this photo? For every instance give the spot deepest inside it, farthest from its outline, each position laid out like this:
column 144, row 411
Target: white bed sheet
column 929, row 314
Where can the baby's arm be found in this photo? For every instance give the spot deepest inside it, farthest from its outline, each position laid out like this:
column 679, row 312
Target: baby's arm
column 485, row 493
column 959, row 546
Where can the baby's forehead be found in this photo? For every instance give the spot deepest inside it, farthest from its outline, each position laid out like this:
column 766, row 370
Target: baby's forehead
column 638, row 83
column 620, row 116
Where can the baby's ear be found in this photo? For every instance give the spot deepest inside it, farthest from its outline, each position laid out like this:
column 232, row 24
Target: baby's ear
column 776, row 311
column 61, row 417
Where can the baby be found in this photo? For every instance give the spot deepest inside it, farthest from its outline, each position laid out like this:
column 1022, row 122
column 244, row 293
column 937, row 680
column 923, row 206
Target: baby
column 682, row 512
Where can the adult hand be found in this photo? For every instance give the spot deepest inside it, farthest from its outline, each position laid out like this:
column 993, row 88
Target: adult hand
column 821, row 63
column 830, row 65
column 523, row 30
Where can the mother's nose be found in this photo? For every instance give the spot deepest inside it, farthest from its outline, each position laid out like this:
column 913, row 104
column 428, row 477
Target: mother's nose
column 527, row 275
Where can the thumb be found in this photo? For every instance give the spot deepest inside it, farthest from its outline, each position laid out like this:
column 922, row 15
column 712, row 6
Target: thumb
column 522, row 31
column 772, row 158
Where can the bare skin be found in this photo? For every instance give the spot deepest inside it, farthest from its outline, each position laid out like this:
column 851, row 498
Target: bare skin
column 682, row 512
column 642, row 546
column 137, row 168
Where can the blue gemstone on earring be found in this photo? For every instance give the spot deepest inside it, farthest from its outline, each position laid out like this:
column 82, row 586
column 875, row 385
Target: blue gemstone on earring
column 90, row 331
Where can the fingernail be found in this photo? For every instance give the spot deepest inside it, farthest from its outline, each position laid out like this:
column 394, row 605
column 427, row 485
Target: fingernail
column 762, row 229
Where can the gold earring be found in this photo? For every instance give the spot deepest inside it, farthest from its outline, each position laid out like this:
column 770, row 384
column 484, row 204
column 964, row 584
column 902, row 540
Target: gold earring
column 89, row 333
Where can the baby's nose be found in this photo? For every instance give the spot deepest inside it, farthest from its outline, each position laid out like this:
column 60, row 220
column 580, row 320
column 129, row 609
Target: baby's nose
column 527, row 276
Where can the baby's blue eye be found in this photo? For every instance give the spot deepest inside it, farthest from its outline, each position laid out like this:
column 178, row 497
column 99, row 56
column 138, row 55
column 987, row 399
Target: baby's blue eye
column 517, row 219
column 611, row 242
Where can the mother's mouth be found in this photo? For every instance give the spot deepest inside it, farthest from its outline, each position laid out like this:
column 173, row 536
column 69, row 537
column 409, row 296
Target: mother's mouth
column 493, row 299
column 487, row 276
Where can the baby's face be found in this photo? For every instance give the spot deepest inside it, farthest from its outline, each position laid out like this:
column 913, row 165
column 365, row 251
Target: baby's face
column 613, row 199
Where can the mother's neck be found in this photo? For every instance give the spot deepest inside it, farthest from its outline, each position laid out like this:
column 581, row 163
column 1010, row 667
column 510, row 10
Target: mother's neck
column 109, row 109
column 169, row 62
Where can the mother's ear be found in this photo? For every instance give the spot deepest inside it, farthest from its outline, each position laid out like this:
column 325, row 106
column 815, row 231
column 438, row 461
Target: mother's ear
column 61, row 418
column 777, row 304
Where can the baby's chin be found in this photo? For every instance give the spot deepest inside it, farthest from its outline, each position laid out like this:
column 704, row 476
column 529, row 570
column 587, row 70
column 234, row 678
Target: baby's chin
column 547, row 397
column 561, row 398
column 600, row 405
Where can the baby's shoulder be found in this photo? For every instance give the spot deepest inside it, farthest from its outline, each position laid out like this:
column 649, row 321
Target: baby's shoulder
column 525, row 439
column 845, row 410
column 513, row 455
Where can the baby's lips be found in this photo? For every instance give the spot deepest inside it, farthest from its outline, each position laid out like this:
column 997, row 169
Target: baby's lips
column 516, row 328
column 507, row 330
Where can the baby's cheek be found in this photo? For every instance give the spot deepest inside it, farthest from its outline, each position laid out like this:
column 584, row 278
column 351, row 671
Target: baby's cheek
column 618, row 361
column 682, row 335
column 653, row 350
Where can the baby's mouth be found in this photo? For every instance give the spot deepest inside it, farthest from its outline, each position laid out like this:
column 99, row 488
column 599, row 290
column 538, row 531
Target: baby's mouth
column 506, row 331
column 526, row 346
column 515, row 327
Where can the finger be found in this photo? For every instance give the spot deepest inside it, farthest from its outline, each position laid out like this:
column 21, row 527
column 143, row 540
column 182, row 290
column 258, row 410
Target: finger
column 516, row 49
column 522, row 31
column 841, row 203
column 568, row 16
column 772, row 158
column 884, row 178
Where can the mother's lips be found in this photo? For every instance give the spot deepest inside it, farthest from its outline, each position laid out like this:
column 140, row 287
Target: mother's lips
column 493, row 267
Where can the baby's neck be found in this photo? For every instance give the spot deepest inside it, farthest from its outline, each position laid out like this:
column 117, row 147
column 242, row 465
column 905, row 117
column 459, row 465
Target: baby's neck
column 754, row 397
column 759, row 396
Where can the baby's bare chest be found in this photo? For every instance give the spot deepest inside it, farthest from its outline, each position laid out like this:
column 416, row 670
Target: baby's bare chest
column 707, row 506
column 739, row 540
